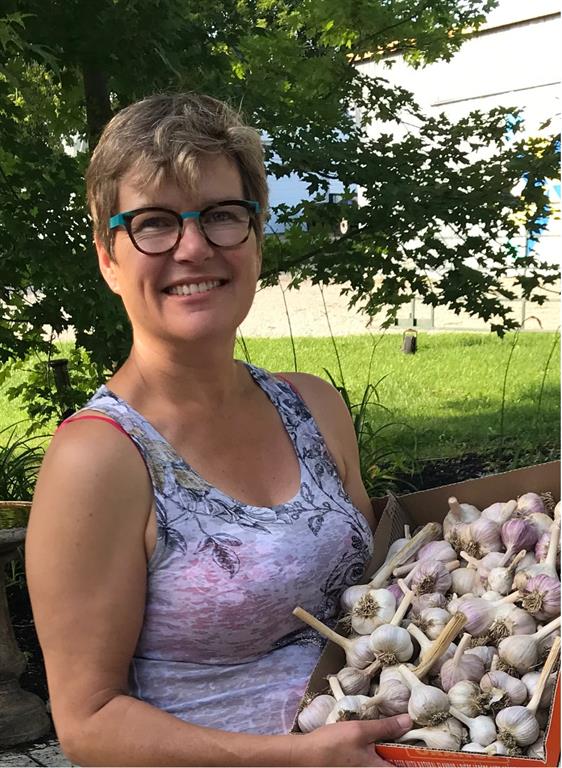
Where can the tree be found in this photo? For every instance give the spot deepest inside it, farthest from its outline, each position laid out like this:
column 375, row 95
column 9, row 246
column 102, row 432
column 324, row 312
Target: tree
column 290, row 64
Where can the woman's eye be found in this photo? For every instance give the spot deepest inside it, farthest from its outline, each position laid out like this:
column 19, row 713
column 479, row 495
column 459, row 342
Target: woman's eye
column 219, row 216
column 153, row 223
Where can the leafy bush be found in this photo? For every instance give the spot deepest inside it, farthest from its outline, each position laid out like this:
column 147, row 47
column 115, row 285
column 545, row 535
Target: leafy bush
column 39, row 395
column 20, row 459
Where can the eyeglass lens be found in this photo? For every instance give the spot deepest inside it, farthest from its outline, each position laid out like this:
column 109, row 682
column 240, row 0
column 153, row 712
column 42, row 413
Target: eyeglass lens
column 159, row 231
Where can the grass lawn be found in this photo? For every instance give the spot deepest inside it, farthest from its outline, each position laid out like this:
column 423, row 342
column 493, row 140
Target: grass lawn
column 449, row 394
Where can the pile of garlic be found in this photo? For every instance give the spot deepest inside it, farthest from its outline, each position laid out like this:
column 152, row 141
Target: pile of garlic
column 491, row 584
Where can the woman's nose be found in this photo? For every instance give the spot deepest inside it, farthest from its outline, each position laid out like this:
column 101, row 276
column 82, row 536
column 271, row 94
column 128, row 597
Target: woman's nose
column 192, row 246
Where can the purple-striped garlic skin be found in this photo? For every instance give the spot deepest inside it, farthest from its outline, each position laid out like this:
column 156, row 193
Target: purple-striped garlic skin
column 518, row 534
column 437, row 550
column 429, row 600
column 430, row 577
column 542, row 597
column 481, row 537
column 529, row 503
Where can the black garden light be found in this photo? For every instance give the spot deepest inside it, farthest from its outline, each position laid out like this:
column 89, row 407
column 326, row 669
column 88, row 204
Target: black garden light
column 62, row 384
column 410, row 341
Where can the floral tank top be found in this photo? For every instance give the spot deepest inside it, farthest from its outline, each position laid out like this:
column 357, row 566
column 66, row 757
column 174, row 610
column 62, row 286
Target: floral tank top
column 219, row 646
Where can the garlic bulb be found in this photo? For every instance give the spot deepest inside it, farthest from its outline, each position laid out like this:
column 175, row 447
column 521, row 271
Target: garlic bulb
column 521, row 652
column 547, row 566
column 391, row 644
column 500, row 512
column 541, row 596
column 399, row 544
column 536, row 750
column 430, row 577
column 529, row 503
column 509, row 689
column 395, row 590
column 432, row 620
column 352, row 594
column 518, row 725
column 500, row 579
column 459, row 513
column 485, row 564
column 485, row 653
column 427, row 705
column 541, row 549
column 543, row 523
column 463, row 666
column 429, row 532
column 468, row 698
column 392, row 673
column 391, row 699
column 355, row 681
column 530, row 681
column 346, row 707
column 437, row 550
column 473, row 747
column 466, row 580
column 518, row 534
column 374, row 608
column 496, row 748
column 511, row 621
column 481, row 537
column 436, row 737
column 481, row 728
column 430, row 600
column 314, row 714
column 526, row 561
column 358, row 650
column 479, row 614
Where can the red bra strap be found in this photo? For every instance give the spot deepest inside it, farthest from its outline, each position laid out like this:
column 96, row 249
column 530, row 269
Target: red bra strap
column 290, row 383
column 97, row 418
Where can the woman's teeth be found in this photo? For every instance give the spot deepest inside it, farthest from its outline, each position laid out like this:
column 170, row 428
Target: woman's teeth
column 187, row 289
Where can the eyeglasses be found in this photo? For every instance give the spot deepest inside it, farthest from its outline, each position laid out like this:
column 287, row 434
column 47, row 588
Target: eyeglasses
column 156, row 231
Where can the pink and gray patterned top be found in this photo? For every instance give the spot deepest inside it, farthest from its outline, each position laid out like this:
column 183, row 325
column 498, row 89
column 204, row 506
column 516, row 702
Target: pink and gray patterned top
column 219, row 645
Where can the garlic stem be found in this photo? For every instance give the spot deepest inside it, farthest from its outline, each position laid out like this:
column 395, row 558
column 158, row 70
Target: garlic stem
column 543, row 632
column 335, row 687
column 518, row 557
column 402, row 609
column 464, row 641
column 440, row 645
column 512, row 598
column 429, row 532
column 324, row 630
column 357, row 649
column 551, row 660
column 407, row 533
column 552, row 553
column 402, row 570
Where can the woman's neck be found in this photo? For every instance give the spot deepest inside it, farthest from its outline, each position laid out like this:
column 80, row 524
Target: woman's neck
column 206, row 377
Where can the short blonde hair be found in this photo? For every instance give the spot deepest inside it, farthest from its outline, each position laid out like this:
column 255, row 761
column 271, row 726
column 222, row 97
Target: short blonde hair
column 162, row 138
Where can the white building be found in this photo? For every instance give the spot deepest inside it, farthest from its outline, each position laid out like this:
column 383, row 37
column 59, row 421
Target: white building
column 512, row 61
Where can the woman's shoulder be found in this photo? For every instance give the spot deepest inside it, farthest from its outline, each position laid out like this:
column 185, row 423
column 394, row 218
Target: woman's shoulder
column 314, row 389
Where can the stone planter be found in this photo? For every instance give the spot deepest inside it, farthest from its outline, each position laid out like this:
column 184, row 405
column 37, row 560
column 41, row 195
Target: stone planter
column 23, row 716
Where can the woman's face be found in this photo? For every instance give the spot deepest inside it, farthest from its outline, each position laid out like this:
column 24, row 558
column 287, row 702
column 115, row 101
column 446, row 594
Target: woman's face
column 148, row 285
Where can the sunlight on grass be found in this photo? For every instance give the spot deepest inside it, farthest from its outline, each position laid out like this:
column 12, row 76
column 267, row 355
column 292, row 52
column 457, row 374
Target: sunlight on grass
column 449, row 392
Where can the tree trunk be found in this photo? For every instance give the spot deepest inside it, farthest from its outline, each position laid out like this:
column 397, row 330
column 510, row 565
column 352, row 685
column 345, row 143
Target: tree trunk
column 98, row 105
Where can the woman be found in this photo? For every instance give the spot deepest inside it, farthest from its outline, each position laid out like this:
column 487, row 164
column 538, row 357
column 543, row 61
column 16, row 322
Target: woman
column 195, row 500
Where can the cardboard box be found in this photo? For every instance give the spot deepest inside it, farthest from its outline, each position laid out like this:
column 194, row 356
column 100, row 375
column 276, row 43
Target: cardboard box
column 418, row 509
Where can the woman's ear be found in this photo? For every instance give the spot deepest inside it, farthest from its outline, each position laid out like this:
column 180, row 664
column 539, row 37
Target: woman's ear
column 107, row 265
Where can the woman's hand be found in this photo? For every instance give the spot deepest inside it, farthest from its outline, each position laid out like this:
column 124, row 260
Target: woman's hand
column 349, row 743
